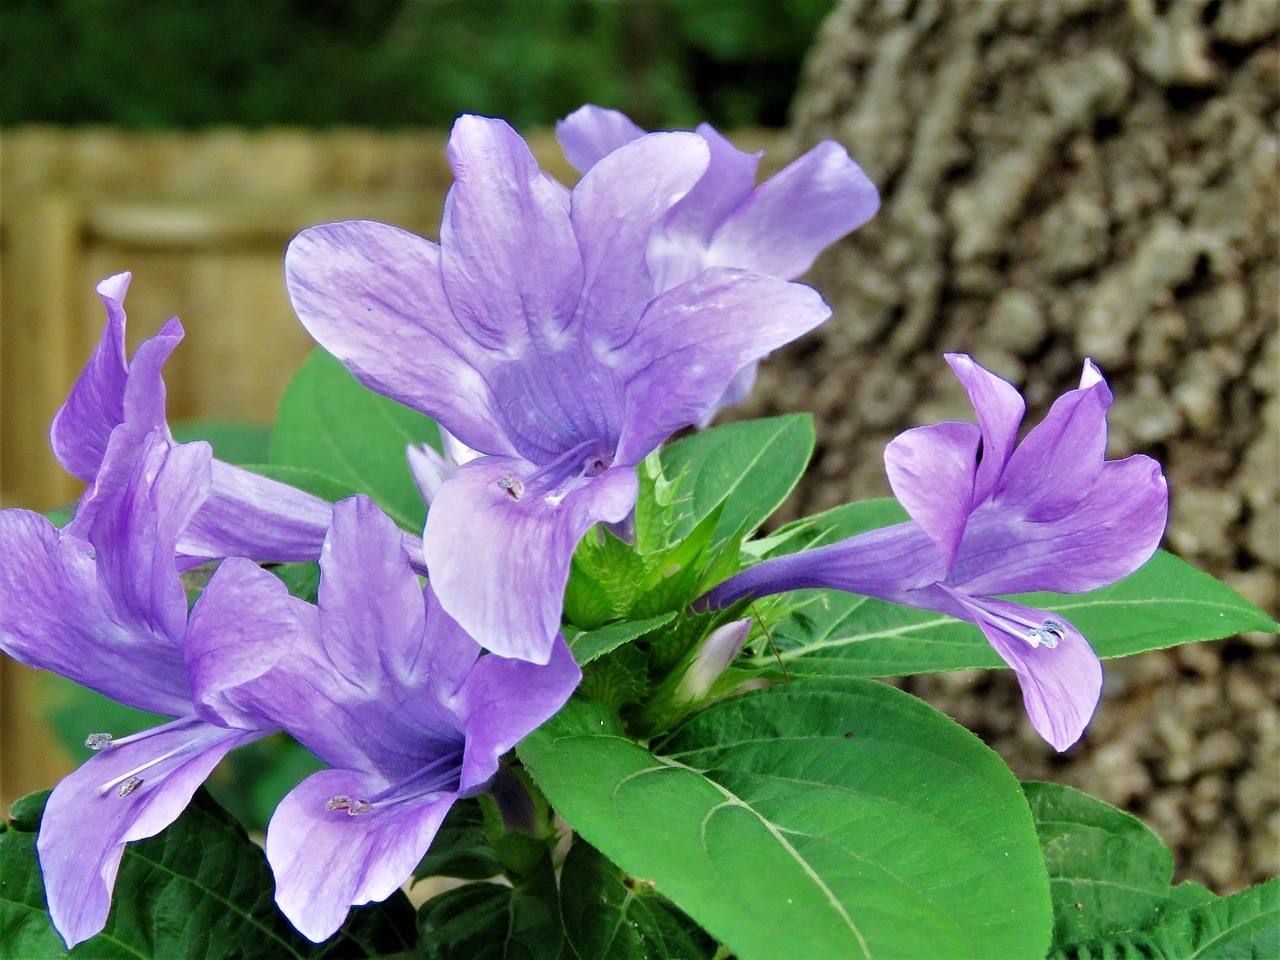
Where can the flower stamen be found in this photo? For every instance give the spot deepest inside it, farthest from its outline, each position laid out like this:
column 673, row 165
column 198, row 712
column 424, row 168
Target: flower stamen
column 353, row 807
column 1048, row 634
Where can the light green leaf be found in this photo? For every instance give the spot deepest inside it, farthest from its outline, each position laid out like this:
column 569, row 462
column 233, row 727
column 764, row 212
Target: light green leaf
column 1165, row 603
column 836, row 818
column 1107, row 870
column 1189, row 894
column 1243, row 926
column 611, row 916
column 589, row 645
column 486, row 920
column 329, row 423
column 831, row 633
column 750, row 467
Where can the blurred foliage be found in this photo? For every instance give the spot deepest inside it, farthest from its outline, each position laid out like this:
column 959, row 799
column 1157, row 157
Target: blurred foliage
column 389, row 63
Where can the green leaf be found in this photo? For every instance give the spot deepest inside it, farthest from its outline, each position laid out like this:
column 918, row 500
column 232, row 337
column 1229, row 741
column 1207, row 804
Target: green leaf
column 611, row 916
column 378, row 930
column 312, row 481
column 590, row 644
column 329, row 423
column 1245, row 925
column 233, row 441
column 826, row 819
column 460, row 848
column 484, row 920
column 200, row 890
column 1165, row 603
column 1107, row 870
column 1188, row 894
column 751, row 467
column 828, row 633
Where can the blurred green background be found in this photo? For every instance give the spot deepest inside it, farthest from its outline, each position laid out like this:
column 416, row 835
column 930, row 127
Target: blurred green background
column 149, row 64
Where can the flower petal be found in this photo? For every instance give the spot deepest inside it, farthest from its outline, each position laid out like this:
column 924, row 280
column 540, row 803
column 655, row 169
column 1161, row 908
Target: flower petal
column 249, row 515
column 1057, row 463
column 110, row 389
column 499, row 564
column 509, row 258
column 617, row 207
column 795, row 215
column 590, row 133
column 931, row 471
column 678, row 252
column 273, row 668
column 1109, row 535
column 372, row 295
column 54, row 614
column 326, row 861
column 691, row 343
column 135, row 529
column 91, row 814
column 1061, row 684
column 503, row 700
column 999, row 407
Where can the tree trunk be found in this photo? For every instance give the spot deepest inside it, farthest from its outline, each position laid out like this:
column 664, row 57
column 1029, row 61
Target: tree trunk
column 1065, row 180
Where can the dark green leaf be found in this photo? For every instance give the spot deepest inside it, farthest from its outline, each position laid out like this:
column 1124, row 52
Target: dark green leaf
column 460, row 848
column 611, row 916
column 1107, row 870
column 824, row 819
column 378, row 930
column 327, row 422
column 1243, row 926
column 199, row 890
column 486, row 921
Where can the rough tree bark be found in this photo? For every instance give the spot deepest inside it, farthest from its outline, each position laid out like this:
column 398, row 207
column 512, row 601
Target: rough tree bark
column 1061, row 180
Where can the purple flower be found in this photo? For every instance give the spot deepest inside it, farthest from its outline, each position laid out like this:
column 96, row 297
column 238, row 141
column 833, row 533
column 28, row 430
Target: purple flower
column 107, row 609
column 534, row 334
column 991, row 517
column 725, row 220
column 244, row 514
column 384, row 686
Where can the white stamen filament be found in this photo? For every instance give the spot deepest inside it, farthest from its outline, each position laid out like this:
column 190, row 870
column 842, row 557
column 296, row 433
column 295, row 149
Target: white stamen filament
column 395, row 794
column 133, row 774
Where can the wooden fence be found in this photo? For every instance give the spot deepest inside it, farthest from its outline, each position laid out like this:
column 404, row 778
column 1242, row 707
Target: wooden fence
column 202, row 220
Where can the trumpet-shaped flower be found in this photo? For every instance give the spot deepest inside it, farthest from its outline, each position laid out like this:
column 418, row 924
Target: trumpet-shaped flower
column 384, row 686
column 244, row 514
column 991, row 516
column 107, row 609
column 725, row 220
column 536, row 335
